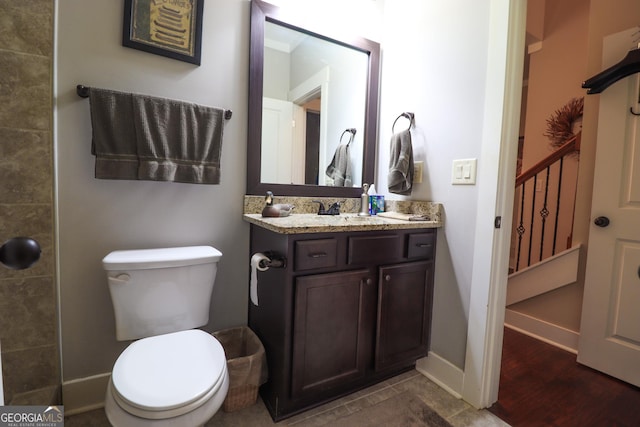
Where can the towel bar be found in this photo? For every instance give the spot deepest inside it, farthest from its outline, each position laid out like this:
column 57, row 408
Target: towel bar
column 83, row 92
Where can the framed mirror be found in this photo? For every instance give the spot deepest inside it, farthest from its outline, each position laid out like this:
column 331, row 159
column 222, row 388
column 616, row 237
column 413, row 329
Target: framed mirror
column 313, row 108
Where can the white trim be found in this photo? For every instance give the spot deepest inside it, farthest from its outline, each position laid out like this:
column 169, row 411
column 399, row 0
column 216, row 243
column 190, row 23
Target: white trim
column 319, row 82
column 84, row 394
column 555, row 335
column 442, row 372
column 547, row 275
column 505, row 60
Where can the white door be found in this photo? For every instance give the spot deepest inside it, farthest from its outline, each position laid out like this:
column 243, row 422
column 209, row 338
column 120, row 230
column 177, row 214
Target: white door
column 610, row 328
column 277, row 139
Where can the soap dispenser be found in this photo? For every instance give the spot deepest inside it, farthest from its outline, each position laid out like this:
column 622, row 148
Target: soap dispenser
column 364, row 201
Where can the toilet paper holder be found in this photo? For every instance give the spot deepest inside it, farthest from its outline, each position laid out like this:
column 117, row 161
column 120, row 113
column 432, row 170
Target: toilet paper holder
column 275, row 260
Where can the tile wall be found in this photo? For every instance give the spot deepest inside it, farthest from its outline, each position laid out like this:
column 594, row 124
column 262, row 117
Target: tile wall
column 28, row 319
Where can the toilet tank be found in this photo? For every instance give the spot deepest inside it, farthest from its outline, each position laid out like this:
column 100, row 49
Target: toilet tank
column 158, row 291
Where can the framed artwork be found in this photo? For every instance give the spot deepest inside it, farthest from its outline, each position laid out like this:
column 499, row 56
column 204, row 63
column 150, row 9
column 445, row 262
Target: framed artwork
column 171, row 28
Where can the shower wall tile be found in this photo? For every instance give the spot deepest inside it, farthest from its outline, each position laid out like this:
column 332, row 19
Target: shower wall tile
column 25, row 91
column 25, row 166
column 26, row 26
column 28, row 308
column 36, row 368
column 28, row 324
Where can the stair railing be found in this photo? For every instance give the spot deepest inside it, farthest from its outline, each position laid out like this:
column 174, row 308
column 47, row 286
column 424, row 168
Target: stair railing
column 556, row 205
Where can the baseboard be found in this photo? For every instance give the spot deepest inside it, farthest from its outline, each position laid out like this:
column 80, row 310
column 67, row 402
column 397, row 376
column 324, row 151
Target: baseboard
column 544, row 331
column 84, row 394
column 547, row 275
column 442, row 372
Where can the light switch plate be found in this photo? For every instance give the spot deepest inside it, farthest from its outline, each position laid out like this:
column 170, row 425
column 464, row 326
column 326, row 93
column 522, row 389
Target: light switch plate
column 464, row 172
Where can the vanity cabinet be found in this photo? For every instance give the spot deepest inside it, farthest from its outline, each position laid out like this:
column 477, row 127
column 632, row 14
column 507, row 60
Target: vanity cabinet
column 347, row 310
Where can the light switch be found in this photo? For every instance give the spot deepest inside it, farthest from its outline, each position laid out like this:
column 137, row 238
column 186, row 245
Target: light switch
column 464, row 172
column 458, row 171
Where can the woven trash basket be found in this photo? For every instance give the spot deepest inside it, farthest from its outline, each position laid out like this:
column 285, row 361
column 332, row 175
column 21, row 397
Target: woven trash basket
column 247, row 366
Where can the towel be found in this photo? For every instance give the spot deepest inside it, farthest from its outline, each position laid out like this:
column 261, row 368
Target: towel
column 114, row 135
column 340, row 167
column 149, row 138
column 400, row 177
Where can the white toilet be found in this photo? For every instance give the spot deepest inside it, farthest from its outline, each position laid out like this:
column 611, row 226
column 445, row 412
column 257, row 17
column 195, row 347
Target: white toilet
column 174, row 375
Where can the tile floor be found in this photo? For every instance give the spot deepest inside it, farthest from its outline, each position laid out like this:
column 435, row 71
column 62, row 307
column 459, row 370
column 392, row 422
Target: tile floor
column 398, row 402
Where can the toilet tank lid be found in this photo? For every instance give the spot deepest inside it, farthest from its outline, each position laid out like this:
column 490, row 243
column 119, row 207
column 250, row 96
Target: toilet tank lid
column 142, row 259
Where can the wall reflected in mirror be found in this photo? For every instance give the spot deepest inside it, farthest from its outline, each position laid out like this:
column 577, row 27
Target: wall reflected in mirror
column 313, row 90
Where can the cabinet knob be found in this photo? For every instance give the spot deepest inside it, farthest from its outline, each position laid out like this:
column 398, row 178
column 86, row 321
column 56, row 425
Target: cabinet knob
column 369, row 281
column 387, row 277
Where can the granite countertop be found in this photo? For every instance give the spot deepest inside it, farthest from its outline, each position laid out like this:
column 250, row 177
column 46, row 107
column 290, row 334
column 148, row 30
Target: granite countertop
column 305, row 220
column 312, row 223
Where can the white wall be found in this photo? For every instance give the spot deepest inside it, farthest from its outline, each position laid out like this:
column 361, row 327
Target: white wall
column 98, row 216
column 434, row 65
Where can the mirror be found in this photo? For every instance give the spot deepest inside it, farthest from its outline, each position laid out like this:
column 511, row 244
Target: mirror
column 313, row 106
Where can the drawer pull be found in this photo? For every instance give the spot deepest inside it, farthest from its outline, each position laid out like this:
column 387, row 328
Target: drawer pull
column 387, row 277
column 423, row 245
column 318, row 255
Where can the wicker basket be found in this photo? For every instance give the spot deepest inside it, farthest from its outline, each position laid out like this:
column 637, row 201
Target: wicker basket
column 246, row 363
column 240, row 397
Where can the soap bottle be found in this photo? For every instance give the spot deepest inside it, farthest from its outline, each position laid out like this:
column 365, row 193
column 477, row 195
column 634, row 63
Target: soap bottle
column 373, row 200
column 364, row 201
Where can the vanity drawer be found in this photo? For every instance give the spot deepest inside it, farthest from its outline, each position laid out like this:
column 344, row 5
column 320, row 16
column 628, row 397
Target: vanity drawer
column 421, row 245
column 320, row 253
column 374, row 249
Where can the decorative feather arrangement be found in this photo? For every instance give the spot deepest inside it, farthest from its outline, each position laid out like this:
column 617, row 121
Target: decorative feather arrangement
column 565, row 122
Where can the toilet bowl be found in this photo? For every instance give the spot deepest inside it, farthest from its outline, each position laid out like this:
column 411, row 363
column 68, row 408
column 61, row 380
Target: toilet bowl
column 176, row 379
column 173, row 374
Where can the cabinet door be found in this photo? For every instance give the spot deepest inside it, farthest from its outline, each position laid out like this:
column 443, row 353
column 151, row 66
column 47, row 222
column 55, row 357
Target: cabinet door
column 404, row 313
column 333, row 320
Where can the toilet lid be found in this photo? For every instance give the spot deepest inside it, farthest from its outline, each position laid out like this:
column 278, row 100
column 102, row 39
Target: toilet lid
column 168, row 371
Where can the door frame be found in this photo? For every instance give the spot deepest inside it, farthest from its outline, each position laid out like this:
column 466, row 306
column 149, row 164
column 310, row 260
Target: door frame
column 495, row 199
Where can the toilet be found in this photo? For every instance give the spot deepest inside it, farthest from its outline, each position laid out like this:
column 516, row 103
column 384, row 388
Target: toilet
column 173, row 374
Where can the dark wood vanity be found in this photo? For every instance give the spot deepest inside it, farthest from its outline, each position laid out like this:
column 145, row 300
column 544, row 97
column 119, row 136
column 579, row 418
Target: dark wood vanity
column 352, row 304
column 348, row 309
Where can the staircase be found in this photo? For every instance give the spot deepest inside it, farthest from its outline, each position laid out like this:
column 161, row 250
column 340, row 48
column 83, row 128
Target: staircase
column 544, row 206
column 543, row 257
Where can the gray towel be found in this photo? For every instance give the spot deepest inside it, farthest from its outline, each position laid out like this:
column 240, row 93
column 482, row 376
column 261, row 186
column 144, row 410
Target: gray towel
column 400, row 178
column 148, row 138
column 114, row 135
column 340, row 167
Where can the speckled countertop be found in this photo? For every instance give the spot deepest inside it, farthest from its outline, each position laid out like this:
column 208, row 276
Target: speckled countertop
column 306, row 220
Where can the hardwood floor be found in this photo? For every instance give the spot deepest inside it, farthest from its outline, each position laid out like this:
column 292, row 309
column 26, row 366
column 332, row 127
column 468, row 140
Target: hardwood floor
column 542, row 385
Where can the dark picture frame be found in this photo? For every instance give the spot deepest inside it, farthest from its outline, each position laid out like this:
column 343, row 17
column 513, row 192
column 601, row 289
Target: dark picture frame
column 171, row 28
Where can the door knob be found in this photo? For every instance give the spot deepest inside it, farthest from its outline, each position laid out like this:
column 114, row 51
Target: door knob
column 601, row 221
column 19, row 253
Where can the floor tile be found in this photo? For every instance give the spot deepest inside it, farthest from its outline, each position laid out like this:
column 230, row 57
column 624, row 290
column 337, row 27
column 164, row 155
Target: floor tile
column 407, row 400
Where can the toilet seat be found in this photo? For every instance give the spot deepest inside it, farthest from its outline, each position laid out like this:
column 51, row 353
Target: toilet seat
column 168, row 375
